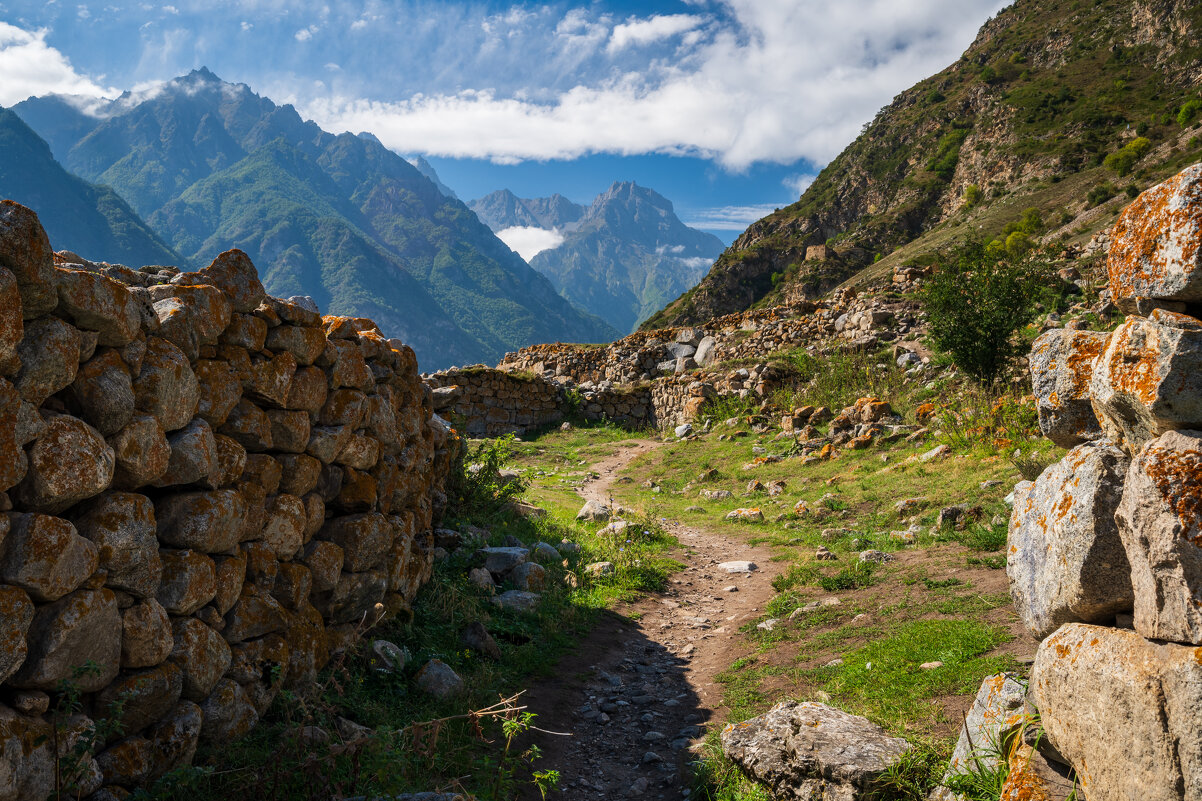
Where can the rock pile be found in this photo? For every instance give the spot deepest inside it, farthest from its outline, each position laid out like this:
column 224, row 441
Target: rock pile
column 1108, row 540
column 205, row 492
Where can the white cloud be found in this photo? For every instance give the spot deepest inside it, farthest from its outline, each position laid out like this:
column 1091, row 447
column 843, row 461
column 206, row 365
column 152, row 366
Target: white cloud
column 729, row 218
column 246, row 26
column 769, row 80
column 798, row 183
column 171, row 9
column 32, row 67
column 527, row 242
column 305, row 34
column 645, row 31
column 696, row 262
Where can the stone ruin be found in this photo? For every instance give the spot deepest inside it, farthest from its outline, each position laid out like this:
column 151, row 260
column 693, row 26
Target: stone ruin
column 1105, row 547
column 206, row 492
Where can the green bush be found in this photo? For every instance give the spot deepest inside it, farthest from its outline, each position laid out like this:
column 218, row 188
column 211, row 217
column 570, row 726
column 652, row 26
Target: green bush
column 1124, row 159
column 980, row 297
column 1189, row 110
column 973, row 195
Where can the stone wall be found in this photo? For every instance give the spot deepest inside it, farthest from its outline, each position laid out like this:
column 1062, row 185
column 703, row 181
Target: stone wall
column 205, row 491
column 484, row 402
column 1105, row 547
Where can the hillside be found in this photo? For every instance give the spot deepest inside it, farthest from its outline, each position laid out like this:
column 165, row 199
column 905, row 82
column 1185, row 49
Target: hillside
column 1025, row 118
column 88, row 219
column 622, row 257
column 211, row 165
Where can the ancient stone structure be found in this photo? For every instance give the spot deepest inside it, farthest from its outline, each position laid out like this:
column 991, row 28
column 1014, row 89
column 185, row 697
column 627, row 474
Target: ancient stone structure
column 206, row 492
column 1107, row 540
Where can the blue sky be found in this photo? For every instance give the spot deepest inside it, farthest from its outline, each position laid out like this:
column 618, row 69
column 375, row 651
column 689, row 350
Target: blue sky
column 727, row 107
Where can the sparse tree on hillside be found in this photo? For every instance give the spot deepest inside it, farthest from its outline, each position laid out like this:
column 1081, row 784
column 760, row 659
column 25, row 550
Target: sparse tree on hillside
column 978, row 299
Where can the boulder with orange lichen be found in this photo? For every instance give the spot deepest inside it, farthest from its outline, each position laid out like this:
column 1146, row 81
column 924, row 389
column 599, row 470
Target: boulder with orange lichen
column 1061, row 367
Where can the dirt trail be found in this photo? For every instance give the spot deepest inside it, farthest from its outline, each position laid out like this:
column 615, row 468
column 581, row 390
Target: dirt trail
column 639, row 689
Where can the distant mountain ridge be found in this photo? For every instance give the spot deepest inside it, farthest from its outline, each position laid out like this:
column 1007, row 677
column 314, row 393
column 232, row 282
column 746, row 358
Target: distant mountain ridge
column 211, row 165
column 90, row 220
column 623, row 257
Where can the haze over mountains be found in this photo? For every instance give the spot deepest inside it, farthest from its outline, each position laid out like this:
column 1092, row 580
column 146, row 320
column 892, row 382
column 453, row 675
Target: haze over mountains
column 622, row 257
column 210, row 165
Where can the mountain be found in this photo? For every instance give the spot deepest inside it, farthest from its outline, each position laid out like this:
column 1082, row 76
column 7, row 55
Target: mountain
column 1026, row 118
column 622, row 257
column 427, row 169
column 211, row 166
column 90, row 220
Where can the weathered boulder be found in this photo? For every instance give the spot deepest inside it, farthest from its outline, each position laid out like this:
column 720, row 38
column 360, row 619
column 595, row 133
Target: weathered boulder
column 210, row 521
column 324, row 560
column 529, row 576
column 26, row 755
column 1061, row 367
column 12, row 329
column 227, row 713
column 69, row 462
column 45, row 556
column 173, row 740
column 995, row 715
column 201, row 653
column 499, row 561
column 122, row 526
column 1160, row 521
column 166, row 387
column 1066, row 560
column 190, row 316
column 1148, row 380
column 1123, row 710
column 16, row 613
column 353, row 597
column 219, row 388
column 49, row 353
column 141, row 451
column 194, row 457
column 147, row 696
column 83, row 626
column 438, row 679
column 594, row 512
column 256, row 613
column 103, row 392
column 25, row 251
column 189, row 581
column 1154, row 245
column 363, row 538
column 284, row 529
column 249, row 426
column 812, row 751
column 146, row 636
column 95, row 302
column 235, row 275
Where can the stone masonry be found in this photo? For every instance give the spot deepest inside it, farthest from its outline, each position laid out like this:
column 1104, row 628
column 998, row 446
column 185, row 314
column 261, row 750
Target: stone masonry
column 204, row 493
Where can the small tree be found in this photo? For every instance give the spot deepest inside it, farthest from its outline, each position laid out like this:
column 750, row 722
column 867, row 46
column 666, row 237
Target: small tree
column 978, row 299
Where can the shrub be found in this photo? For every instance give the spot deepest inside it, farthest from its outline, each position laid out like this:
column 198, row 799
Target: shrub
column 977, row 301
column 947, row 153
column 973, row 195
column 1124, row 159
column 1188, row 111
column 1100, row 194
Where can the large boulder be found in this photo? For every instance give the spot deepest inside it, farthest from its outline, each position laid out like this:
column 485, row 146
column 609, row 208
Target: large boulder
column 104, row 393
column 122, row 526
column 1155, row 243
column 995, row 715
column 363, row 538
column 211, row 521
column 46, row 557
column 1061, row 367
column 1123, row 711
column 1160, row 521
column 1148, row 380
column 166, row 387
column 142, row 452
column 201, row 653
column 25, row 251
column 69, row 462
column 189, row 581
column 235, row 275
column 95, row 302
column 49, row 353
column 193, row 457
column 146, row 637
column 1066, row 560
column 82, row 627
column 812, row 752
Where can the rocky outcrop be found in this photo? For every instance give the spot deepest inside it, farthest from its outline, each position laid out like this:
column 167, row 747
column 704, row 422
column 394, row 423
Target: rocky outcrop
column 1107, row 531
column 197, row 478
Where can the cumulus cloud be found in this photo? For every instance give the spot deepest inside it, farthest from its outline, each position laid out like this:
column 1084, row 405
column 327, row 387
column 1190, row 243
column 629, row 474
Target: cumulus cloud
column 770, row 80
column 527, row 242
column 305, row 34
column 644, row 31
column 32, row 67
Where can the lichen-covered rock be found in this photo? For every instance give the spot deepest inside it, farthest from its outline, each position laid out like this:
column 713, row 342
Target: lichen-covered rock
column 83, row 626
column 129, row 761
column 1066, row 560
column 147, row 696
column 324, row 560
column 141, row 451
column 25, row 251
column 12, row 328
column 438, row 679
column 256, row 613
column 194, row 457
column 1123, row 710
column 49, row 353
column 1061, row 367
column 1148, row 380
column 26, row 755
column 1155, row 243
column 220, row 390
column 271, row 379
column 190, row 316
column 305, row 344
column 166, row 387
column 103, row 392
column 353, row 597
column 201, row 653
column 16, row 613
column 812, row 751
column 189, row 581
column 231, row 575
column 289, row 430
column 363, row 538
column 249, row 426
column 69, row 462
column 284, row 529
column 173, row 740
column 227, row 713
column 233, row 273
column 122, row 526
column 1160, row 521
column 46, row 557
column 146, row 636
column 13, row 460
column 210, row 521
column 996, row 714
column 96, row 302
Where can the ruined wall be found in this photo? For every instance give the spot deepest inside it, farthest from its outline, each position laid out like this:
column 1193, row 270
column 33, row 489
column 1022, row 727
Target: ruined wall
column 205, row 490
column 1105, row 547
column 483, row 402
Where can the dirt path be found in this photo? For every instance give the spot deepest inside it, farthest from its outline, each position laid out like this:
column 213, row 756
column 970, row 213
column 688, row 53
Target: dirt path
column 638, row 691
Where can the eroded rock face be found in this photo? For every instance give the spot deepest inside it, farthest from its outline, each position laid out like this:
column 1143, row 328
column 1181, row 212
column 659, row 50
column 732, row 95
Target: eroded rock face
column 1160, row 521
column 1123, row 710
column 1148, row 380
column 812, row 751
column 1061, row 367
column 1154, row 245
column 1066, row 560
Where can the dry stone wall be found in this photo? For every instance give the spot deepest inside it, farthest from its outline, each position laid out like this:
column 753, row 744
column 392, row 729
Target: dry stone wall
column 204, row 492
column 1105, row 547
